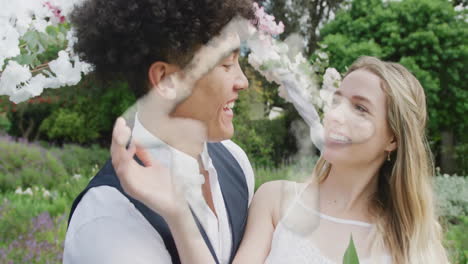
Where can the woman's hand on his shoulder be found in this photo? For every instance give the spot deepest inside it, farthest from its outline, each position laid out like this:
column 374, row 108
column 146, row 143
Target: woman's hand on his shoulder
column 150, row 183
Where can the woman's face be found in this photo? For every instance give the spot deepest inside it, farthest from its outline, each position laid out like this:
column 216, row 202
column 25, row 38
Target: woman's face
column 356, row 127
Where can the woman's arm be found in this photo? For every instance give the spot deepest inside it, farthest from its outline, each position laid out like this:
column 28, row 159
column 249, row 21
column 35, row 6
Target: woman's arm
column 255, row 245
column 154, row 186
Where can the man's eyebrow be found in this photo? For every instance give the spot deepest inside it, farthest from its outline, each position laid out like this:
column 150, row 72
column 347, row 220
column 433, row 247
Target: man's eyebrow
column 228, row 54
column 233, row 54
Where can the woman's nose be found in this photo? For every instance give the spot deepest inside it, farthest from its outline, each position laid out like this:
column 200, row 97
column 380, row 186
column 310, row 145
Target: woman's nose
column 337, row 114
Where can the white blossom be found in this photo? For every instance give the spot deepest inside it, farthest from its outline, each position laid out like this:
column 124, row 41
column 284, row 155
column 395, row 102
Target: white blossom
column 19, row 190
column 322, row 55
column 64, row 70
column 83, row 67
column 13, row 75
column 331, row 79
column 331, row 82
column 28, row 191
column 41, row 24
column 71, row 40
column 46, row 194
column 10, row 42
column 20, row 16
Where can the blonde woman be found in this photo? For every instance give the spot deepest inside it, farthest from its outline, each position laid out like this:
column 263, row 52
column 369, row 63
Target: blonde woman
column 372, row 181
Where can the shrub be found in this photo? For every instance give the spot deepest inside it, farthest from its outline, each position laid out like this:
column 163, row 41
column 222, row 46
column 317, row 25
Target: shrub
column 26, row 117
column 67, row 125
column 27, row 165
column 18, row 207
column 297, row 171
column 81, row 160
column 34, row 224
column 250, row 136
column 89, row 115
column 5, row 124
column 452, row 195
column 41, row 243
column 266, row 142
column 456, row 240
column 83, row 113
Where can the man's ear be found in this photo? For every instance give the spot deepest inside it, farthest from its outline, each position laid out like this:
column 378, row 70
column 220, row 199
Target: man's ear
column 158, row 74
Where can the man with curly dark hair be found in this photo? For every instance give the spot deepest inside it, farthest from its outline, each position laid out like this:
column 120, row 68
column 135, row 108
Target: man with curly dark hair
column 147, row 42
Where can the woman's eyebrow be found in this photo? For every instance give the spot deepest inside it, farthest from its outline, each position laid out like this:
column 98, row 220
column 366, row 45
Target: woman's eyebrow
column 362, row 98
column 355, row 97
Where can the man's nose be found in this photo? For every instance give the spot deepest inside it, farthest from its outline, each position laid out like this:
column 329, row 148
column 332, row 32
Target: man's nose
column 241, row 82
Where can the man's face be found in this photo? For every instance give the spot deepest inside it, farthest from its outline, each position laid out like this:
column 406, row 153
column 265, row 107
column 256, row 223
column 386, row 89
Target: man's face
column 213, row 97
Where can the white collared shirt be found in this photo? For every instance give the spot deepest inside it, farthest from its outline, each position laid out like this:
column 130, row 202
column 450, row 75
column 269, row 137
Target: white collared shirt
column 107, row 228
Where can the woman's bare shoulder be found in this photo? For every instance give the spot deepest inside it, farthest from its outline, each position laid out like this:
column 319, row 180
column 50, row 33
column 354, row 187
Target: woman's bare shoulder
column 276, row 196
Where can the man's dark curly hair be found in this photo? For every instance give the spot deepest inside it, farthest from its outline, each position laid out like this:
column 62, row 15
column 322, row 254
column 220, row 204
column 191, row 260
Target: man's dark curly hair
column 122, row 38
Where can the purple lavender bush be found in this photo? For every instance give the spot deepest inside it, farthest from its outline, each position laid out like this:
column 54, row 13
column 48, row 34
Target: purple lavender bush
column 42, row 243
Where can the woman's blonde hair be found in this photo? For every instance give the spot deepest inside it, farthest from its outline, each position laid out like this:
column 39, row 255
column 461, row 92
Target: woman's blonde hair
column 403, row 204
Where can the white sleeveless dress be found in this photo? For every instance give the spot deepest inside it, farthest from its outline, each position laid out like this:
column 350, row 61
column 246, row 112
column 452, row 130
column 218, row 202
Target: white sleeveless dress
column 324, row 242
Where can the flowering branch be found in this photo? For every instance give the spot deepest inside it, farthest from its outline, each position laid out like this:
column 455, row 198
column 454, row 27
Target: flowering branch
column 38, row 24
column 285, row 65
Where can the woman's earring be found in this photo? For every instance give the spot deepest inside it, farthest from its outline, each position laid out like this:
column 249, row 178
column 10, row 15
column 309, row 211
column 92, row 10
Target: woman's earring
column 388, row 156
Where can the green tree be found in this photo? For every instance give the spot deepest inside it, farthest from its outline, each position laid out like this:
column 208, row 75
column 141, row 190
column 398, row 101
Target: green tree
column 430, row 38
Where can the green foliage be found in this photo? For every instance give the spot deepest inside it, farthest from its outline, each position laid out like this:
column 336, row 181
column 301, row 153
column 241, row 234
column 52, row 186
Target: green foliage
column 26, row 117
column 89, row 115
column 5, row 124
column 428, row 37
column 84, row 113
column 18, row 210
column 258, row 138
column 297, row 171
column 36, row 222
column 69, row 126
column 27, row 165
column 461, row 157
column 262, row 139
column 37, row 47
column 266, row 142
column 342, row 47
column 80, row 160
column 456, row 240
